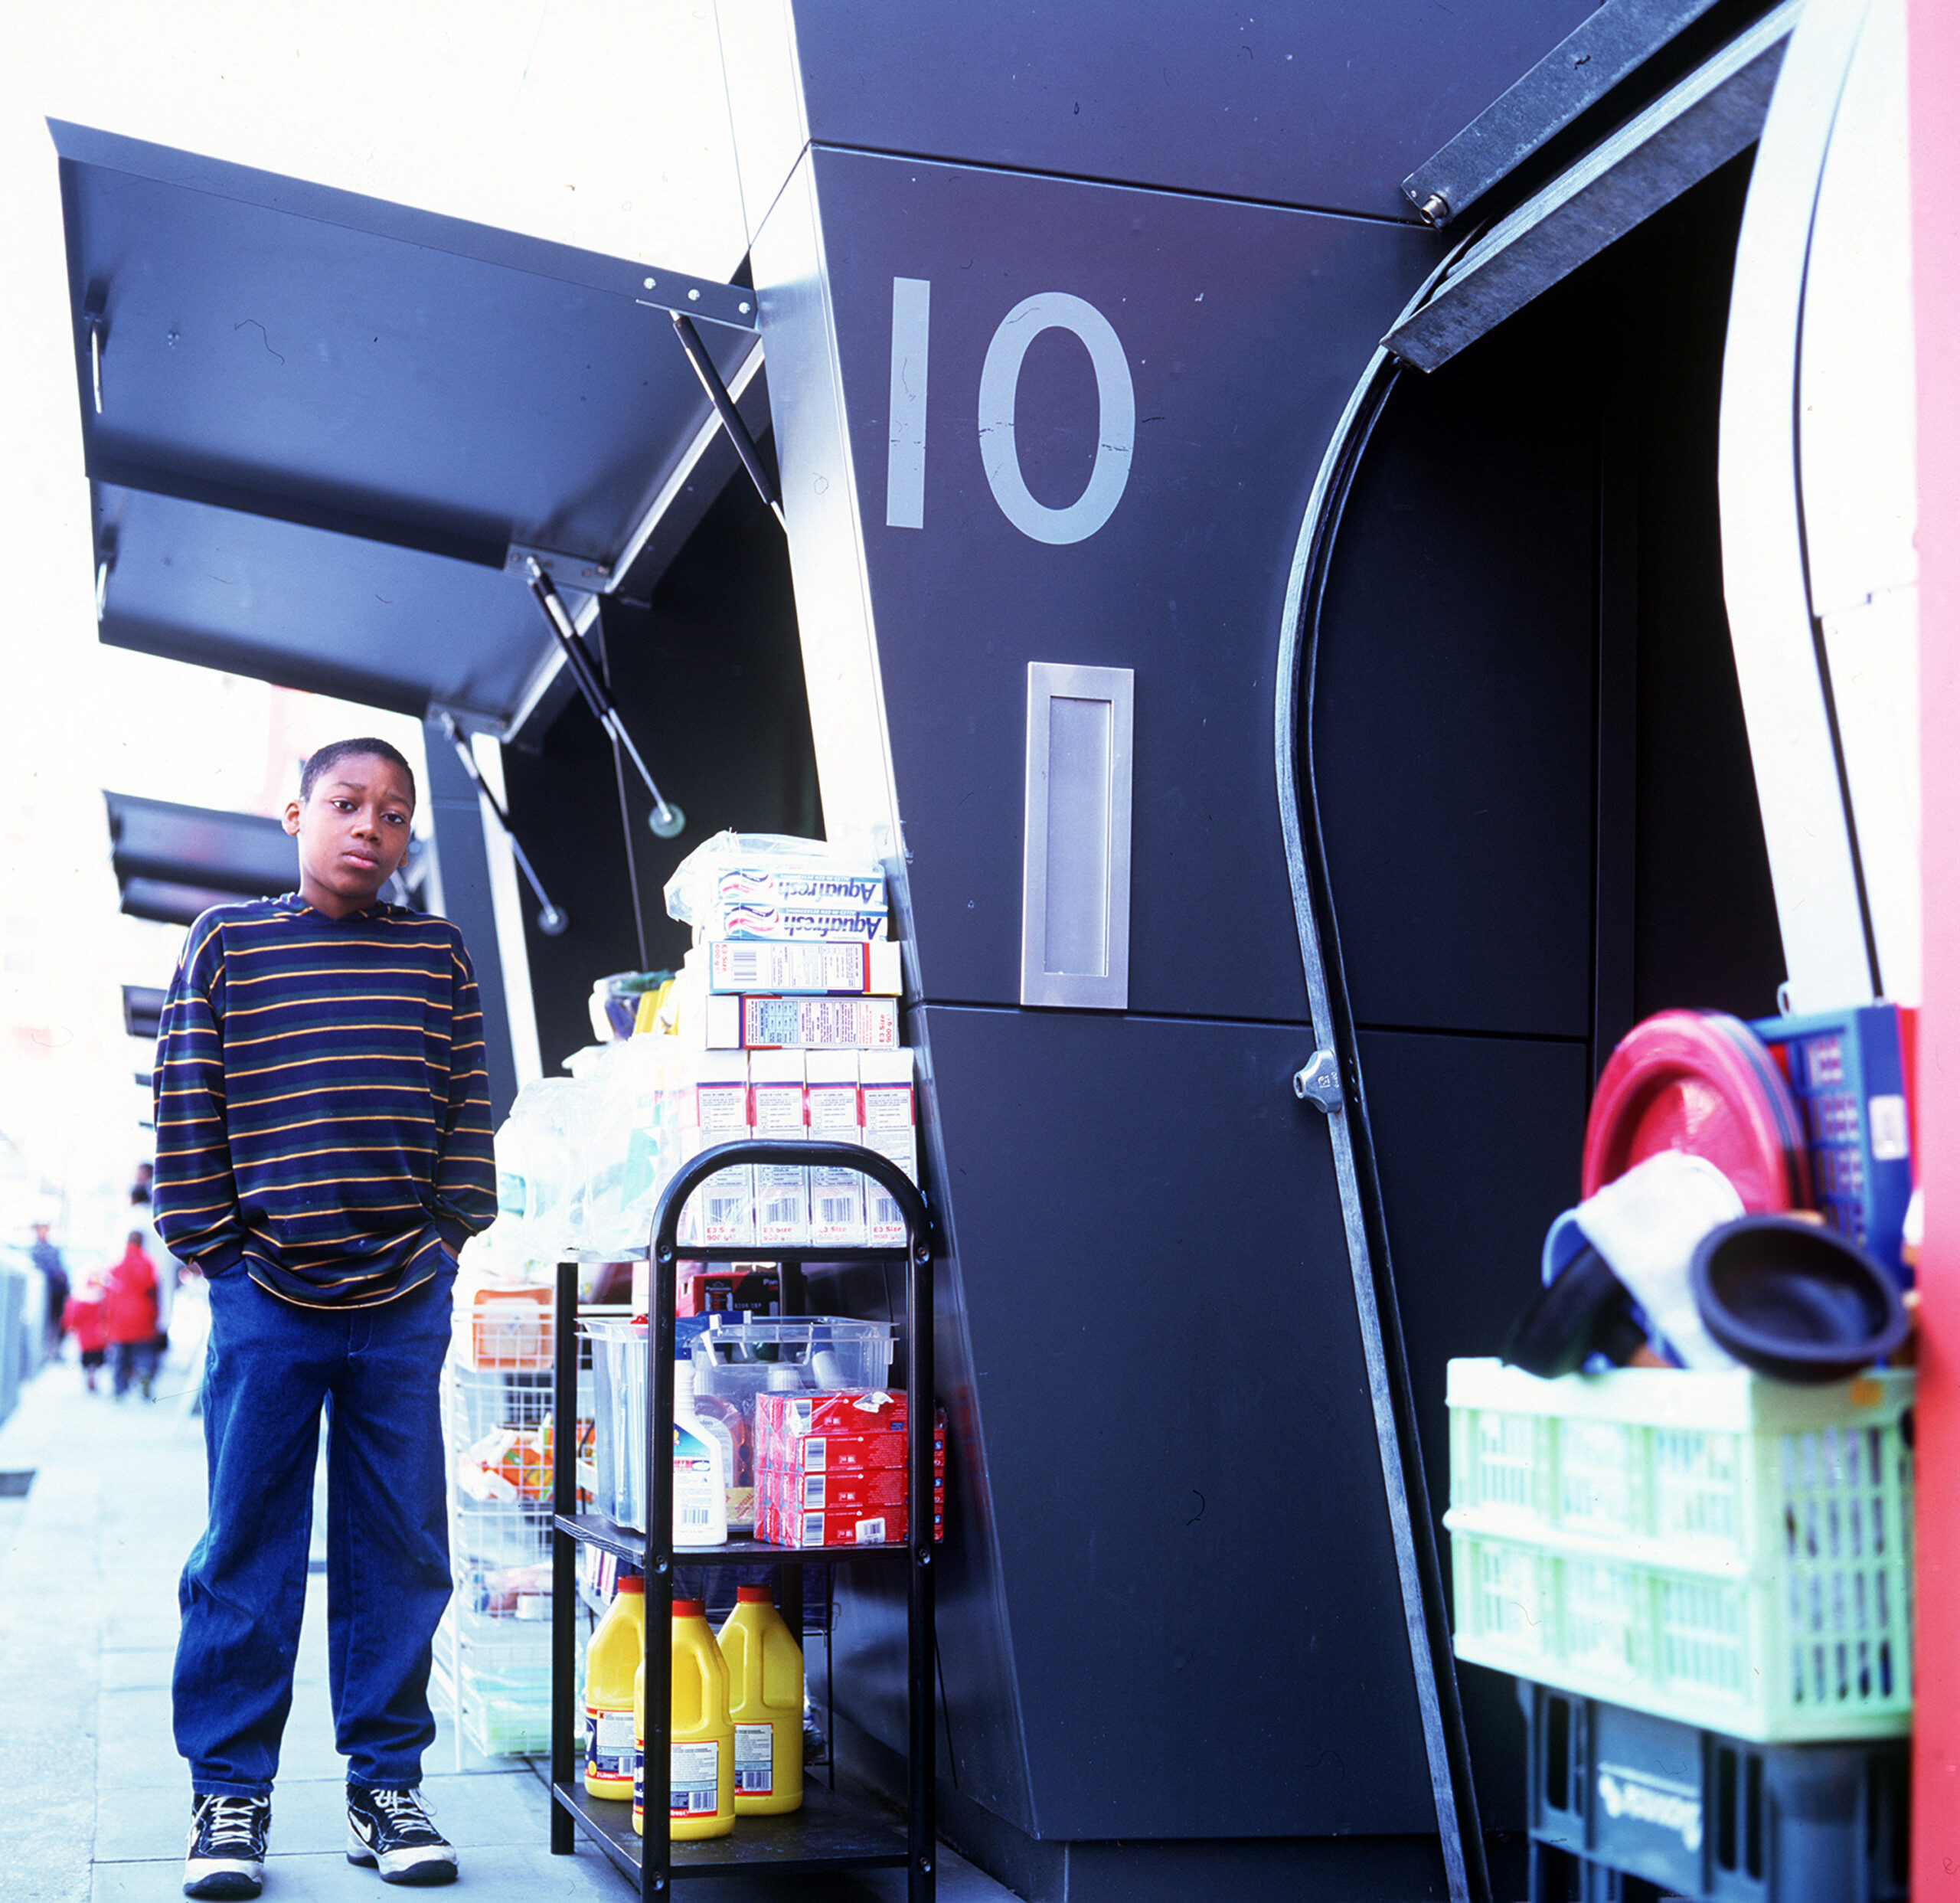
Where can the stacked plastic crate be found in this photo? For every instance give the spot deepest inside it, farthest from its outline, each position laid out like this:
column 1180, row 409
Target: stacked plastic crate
column 1705, row 1581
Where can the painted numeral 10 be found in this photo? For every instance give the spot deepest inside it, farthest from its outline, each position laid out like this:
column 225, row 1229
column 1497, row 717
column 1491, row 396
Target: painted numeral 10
column 1000, row 380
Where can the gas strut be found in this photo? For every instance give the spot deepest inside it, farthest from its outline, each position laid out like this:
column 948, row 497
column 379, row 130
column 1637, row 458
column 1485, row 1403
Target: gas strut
column 724, row 407
column 666, row 820
column 551, row 920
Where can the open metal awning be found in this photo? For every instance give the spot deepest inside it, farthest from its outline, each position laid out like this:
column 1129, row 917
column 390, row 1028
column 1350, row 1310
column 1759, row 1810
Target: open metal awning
column 142, row 1011
column 1669, row 144
column 327, row 435
column 174, row 861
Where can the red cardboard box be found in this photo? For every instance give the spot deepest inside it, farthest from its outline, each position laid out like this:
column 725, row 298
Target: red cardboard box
column 851, row 1430
column 733, row 1290
column 830, row 1468
column 784, row 1516
column 869, row 1489
column 846, row 1527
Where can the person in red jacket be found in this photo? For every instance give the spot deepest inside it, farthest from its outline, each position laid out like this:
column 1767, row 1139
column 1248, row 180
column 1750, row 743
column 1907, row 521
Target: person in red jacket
column 83, row 1319
column 128, row 1314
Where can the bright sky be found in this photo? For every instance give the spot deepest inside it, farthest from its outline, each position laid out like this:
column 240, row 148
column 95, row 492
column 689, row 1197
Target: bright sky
column 595, row 123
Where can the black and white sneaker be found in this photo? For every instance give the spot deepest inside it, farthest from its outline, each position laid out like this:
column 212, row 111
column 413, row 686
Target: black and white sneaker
column 389, row 1831
column 228, row 1855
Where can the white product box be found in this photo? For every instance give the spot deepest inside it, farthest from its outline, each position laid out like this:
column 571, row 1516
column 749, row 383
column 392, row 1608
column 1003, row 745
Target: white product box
column 763, row 885
column 890, row 1127
column 776, row 1111
column 796, row 1024
column 715, row 1109
column 837, row 1196
column 821, row 970
column 766, row 901
column 748, row 919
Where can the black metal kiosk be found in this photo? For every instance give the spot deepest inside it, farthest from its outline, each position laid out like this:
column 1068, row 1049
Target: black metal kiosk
column 1276, row 647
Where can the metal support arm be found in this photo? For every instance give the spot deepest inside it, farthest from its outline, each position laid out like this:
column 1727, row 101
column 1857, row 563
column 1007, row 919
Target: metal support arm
column 551, row 920
column 666, row 820
column 731, row 417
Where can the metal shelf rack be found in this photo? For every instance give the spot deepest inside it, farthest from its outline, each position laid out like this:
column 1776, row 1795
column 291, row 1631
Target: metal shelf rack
column 831, row 1831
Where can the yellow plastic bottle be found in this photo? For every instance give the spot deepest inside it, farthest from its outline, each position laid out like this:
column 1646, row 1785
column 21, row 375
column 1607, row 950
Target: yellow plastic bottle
column 640, row 1747
column 611, row 1658
column 701, row 1747
column 765, row 1705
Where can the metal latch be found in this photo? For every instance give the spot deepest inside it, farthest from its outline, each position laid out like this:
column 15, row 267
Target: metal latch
column 1318, row 1082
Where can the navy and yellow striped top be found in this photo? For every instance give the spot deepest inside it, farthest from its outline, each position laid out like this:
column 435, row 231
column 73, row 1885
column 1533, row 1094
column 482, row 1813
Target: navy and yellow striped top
column 322, row 1108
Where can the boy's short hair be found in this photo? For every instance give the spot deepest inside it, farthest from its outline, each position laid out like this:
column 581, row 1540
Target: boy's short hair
column 336, row 750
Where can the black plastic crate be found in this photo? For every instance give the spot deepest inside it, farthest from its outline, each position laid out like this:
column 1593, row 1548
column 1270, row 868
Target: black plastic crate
column 1624, row 1808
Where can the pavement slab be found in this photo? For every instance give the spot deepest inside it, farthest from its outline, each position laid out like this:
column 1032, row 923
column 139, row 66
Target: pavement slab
column 98, row 1801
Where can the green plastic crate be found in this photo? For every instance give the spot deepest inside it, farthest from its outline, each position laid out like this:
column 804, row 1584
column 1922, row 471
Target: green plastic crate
column 1730, row 1552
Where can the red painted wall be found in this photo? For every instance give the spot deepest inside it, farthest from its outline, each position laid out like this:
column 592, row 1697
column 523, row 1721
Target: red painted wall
column 1934, row 30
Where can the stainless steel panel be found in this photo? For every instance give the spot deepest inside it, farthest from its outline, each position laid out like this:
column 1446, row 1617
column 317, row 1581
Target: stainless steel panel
column 1075, row 920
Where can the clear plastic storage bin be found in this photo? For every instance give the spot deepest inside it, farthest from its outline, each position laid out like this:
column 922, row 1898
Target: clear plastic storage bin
column 735, row 1359
column 1727, row 1551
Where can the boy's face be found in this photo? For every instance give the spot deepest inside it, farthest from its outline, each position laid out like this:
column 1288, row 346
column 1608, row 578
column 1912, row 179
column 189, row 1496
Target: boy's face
column 354, row 832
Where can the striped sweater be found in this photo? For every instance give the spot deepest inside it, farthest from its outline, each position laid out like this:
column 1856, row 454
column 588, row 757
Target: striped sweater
column 322, row 1110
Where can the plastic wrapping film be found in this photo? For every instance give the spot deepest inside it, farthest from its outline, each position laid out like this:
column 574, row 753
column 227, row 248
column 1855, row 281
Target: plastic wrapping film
column 765, row 885
column 582, row 1161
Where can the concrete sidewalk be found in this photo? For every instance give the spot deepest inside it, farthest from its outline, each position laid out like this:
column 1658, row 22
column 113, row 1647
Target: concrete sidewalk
column 94, row 1801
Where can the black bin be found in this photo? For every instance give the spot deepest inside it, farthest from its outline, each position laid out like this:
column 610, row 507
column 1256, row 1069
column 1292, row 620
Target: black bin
column 1624, row 1807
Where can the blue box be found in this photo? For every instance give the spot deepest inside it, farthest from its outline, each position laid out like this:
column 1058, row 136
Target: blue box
column 1846, row 1071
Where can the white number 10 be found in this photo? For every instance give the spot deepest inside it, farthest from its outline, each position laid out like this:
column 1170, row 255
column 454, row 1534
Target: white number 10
column 1000, row 380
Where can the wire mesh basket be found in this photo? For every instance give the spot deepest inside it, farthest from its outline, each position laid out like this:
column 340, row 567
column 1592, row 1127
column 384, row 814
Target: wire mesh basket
column 493, row 1652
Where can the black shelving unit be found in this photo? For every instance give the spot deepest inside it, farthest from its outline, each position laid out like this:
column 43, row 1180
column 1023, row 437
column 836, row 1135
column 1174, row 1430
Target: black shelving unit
column 831, row 1831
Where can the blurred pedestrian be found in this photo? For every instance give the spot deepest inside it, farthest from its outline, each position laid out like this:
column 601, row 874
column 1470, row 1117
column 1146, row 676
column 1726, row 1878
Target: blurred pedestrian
column 84, row 1319
column 129, row 1317
column 169, row 1270
column 48, row 1259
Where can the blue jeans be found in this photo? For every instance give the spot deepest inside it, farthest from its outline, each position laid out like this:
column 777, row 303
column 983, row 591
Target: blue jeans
column 271, row 1367
column 136, row 1363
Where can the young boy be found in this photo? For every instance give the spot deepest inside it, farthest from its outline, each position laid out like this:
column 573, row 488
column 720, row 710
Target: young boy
column 323, row 1149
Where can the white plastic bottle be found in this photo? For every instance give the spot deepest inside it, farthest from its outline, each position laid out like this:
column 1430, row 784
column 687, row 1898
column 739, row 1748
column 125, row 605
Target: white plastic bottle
column 703, row 1457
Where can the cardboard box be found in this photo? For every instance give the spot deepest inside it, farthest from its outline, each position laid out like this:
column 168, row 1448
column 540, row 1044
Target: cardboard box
column 780, row 1522
column 782, row 1419
column 870, row 1489
column 739, row 1288
column 776, row 1112
column 715, row 1109
column 837, row 1196
column 766, row 1022
column 782, row 1498
column 850, row 1429
column 798, row 922
column 887, row 1104
column 761, row 900
column 845, row 1453
column 809, row 969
